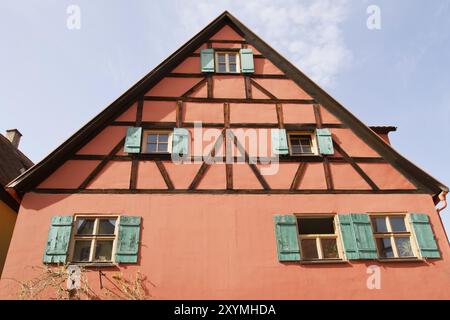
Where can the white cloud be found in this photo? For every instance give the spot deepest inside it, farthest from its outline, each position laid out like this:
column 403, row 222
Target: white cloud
column 308, row 33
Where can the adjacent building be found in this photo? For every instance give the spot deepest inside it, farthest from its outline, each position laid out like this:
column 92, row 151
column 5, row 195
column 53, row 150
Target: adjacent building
column 12, row 163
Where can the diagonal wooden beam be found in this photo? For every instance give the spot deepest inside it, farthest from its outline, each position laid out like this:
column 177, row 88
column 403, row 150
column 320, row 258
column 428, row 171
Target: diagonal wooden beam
column 195, row 87
column 135, row 160
column 261, row 88
column 164, row 174
column 299, row 175
column 102, row 164
column 205, row 165
column 317, row 115
column 253, row 166
column 355, row 166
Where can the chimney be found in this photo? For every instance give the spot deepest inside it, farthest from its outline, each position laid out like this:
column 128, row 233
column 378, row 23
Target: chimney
column 13, row 135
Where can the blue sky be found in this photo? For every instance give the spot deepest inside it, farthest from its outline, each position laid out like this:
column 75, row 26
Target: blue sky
column 53, row 80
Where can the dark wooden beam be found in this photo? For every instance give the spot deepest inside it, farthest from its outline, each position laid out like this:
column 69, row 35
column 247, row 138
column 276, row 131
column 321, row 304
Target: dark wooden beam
column 205, row 165
column 197, row 86
column 227, row 41
column 101, row 165
column 253, row 166
column 263, row 90
column 328, row 176
column 248, row 87
column 164, row 174
column 299, row 175
column 210, row 88
column 280, row 117
column 230, row 100
column 179, row 114
column 223, row 191
column 201, row 75
column 355, row 166
column 317, row 115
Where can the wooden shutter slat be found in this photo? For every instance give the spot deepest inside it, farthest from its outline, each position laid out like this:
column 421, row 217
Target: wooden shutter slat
column 357, row 236
column 207, row 60
column 127, row 247
column 180, row 142
column 424, row 235
column 286, row 236
column 279, row 141
column 58, row 239
column 324, row 141
column 133, row 140
column 247, row 64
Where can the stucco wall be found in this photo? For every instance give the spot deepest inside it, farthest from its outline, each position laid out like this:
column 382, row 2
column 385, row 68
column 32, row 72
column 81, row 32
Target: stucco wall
column 7, row 221
column 223, row 246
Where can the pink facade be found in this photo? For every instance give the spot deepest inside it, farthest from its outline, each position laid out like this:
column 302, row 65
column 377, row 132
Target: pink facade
column 210, row 241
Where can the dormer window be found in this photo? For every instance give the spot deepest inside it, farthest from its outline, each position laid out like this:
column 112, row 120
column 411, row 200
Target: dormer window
column 227, row 62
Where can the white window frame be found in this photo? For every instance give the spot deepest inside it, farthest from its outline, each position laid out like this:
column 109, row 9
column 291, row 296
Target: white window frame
column 317, row 237
column 227, row 62
column 392, row 235
column 169, row 141
column 312, row 135
column 94, row 238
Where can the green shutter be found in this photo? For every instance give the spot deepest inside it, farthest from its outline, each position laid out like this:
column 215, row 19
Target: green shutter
column 357, row 236
column 207, row 60
column 180, row 141
column 279, row 141
column 324, row 141
column 424, row 235
column 133, row 140
column 58, row 240
column 128, row 239
column 247, row 65
column 287, row 237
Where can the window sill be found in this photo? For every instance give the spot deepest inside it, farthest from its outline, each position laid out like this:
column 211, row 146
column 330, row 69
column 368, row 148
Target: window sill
column 339, row 261
column 400, row 260
column 95, row 264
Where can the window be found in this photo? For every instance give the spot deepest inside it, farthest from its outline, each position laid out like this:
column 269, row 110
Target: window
column 392, row 236
column 302, row 143
column 94, row 239
column 157, row 142
column 318, row 238
column 227, row 62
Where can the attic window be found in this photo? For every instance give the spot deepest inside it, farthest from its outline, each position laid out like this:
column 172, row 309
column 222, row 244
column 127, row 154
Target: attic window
column 157, row 141
column 227, row 62
column 302, row 143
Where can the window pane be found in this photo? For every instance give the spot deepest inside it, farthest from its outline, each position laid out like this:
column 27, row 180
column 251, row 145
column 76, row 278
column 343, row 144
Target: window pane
column 163, row 138
column 151, row 147
column 379, row 224
column 385, row 247
column 82, row 250
column 106, row 226
column 296, row 149
column 152, row 138
column 397, row 224
column 329, row 248
column 162, row 147
column 404, row 247
column 222, row 68
column 221, row 57
column 315, row 225
column 309, row 249
column 232, row 67
column 85, row 226
column 306, row 149
column 232, row 58
column 103, row 250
